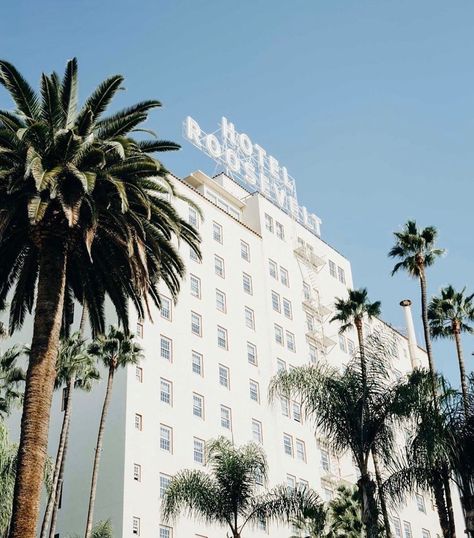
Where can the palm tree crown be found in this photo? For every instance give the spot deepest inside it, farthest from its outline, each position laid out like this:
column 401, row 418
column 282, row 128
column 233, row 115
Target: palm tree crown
column 351, row 311
column 12, row 378
column 116, row 349
column 75, row 363
column 451, row 312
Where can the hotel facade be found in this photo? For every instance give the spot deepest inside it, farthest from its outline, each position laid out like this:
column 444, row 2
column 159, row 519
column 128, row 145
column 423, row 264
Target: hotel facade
column 260, row 301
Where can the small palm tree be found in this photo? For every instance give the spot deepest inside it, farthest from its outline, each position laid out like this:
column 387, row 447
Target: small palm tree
column 449, row 315
column 311, row 523
column 84, row 214
column 230, row 495
column 75, row 368
column 12, row 379
column 8, row 459
column 114, row 350
column 345, row 514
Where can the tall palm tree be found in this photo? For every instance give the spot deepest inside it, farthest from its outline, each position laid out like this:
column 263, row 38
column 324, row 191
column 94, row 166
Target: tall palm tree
column 114, row 350
column 85, row 212
column 449, row 315
column 12, row 379
column 333, row 399
column 229, row 495
column 75, row 368
column 352, row 312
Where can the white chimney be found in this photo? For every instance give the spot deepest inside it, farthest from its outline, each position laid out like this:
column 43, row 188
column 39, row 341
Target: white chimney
column 412, row 345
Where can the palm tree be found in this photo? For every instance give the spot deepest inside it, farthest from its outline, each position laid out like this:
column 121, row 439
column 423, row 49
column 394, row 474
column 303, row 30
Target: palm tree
column 75, row 368
column 345, row 514
column 449, row 315
column 12, row 378
column 352, row 312
column 334, row 399
column 230, row 495
column 311, row 523
column 103, row 529
column 8, row 458
column 85, row 212
column 114, row 350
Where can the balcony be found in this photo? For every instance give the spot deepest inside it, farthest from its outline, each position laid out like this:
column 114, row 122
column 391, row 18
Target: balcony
column 312, row 304
column 307, row 256
column 324, row 343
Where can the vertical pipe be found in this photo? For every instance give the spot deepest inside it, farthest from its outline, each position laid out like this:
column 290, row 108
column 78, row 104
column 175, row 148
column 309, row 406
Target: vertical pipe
column 412, row 345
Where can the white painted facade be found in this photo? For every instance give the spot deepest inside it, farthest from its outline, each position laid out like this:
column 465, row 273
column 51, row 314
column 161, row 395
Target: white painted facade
column 267, row 286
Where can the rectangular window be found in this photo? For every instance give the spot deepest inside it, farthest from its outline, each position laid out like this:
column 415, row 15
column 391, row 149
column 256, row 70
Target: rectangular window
column 193, row 255
column 276, row 301
column 166, row 389
column 291, row 481
column 285, row 406
column 332, row 269
column 328, row 494
column 425, row 533
column 245, row 251
column 137, row 472
column 407, row 530
column 224, row 376
column 313, row 354
column 217, row 232
column 284, row 278
column 309, row 321
column 287, row 308
column 140, row 329
column 166, row 348
column 325, row 461
column 251, row 353
column 278, row 334
column 196, row 360
column 166, row 532
column 397, row 527
column 254, row 391
column 350, row 346
column 342, row 343
column 273, row 269
column 268, row 222
column 300, row 450
column 249, row 318
column 226, row 421
column 257, row 434
column 198, row 450
column 136, row 526
column 296, row 411
column 222, row 337
column 420, row 503
column 165, row 310
column 196, row 324
column 288, row 444
column 164, row 483
column 306, row 291
column 166, row 438
column 139, row 374
column 280, row 230
column 290, row 341
column 195, row 284
column 193, row 218
column 281, row 365
column 247, row 283
column 220, row 301
column 219, row 266
column 341, row 275
column 138, row 422
column 198, row 405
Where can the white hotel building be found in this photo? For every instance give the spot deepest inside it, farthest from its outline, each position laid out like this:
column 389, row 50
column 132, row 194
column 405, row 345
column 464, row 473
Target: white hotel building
column 260, row 301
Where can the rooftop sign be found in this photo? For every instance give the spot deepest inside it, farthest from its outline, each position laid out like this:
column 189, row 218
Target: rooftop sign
column 250, row 165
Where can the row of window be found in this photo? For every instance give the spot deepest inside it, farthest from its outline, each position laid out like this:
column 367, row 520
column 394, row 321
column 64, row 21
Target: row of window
column 282, row 305
column 281, row 336
column 278, row 273
column 274, row 226
column 165, row 532
column 293, row 447
column 403, row 529
column 337, row 272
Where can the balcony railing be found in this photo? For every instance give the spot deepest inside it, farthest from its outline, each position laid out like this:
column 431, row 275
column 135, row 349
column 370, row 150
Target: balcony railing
column 323, row 342
column 311, row 303
column 308, row 256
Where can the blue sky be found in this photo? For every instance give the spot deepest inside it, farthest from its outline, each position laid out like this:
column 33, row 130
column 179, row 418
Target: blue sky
column 369, row 104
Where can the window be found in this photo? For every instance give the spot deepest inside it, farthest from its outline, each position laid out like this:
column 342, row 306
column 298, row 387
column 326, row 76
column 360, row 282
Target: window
column 425, row 533
column 254, row 391
column 290, row 341
column 278, row 334
column 288, row 444
column 217, row 232
column 220, row 301
column 251, row 353
column 309, row 321
column 166, row 391
column 198, row 405
column 140, row 329
column 285, row 406
column 300, row 450
column 291, row 481
column 325, row 461
column 196, row 321
column 304, row 484
column 350, row 346
column 164, row 483
column 273, row 269
column 306, row 291
column 165, row 348
column 296, row 411
column 193, row 255
column 166, row 532
column 284, row 278
column 138, row 422
column 268, row 223
column 332, row 269
column 165, row 307
column 136, row 526
column 276, row 301
column 64, row 398
column 222, row 337
column 397, row 527
column 224, row 376
column 281, row 365
column 328, row 493
column 195, row 284
column 245, row 251
column 249, row 318
column 137, row 472
column 219, row 266
column 257, row 431
column 341, row 275
column 342, row 343
column 420, row 503
column 198, row 450
column 407, row 530
column 193, row 218
column 165, row 438
column 139, row 374
column 287, row 308
column 312, row 354
column 196, row 361
column 280, row 230
column 247, row 283
column 259, row 477
column 226, row 418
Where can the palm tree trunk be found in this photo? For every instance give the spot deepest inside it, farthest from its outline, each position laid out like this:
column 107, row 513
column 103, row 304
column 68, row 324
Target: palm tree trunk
column 449, row 503
column 39, row 388
column 82, row 325
column 363, row 368
column 98, row 450
column 369, row 506
column 462, row 369
column 383, row 502
column 59, row 489
column 440, row 501
column 59, row 459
